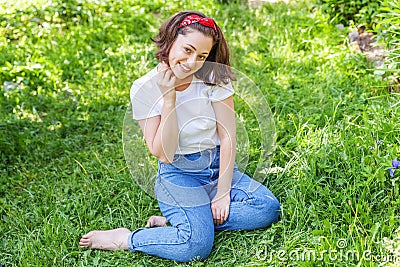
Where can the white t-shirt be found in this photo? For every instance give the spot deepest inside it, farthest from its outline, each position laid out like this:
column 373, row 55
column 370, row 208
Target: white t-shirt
column 195, row 114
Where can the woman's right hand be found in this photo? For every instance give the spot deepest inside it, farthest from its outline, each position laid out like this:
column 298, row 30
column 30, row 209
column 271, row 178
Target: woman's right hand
column 166, row 80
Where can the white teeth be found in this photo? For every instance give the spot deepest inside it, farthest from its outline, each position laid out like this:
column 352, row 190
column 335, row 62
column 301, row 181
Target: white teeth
column 184, row 68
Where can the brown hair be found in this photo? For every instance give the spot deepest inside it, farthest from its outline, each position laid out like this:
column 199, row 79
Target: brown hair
column 211, row 74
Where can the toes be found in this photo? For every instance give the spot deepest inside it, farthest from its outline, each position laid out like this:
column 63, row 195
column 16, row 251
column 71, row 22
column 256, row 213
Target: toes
column 85, row 240
column 156, row 221
column 150, row 222
column 88, row 235
column 84, row 243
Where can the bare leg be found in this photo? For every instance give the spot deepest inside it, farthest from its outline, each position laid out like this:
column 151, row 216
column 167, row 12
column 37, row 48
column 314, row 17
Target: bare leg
column 156, row 221
column 116, row 239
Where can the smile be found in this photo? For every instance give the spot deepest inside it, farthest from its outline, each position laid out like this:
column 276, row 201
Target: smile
column 184, row 68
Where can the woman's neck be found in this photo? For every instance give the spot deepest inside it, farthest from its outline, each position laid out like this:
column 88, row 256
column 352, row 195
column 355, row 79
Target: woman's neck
column 182, row 84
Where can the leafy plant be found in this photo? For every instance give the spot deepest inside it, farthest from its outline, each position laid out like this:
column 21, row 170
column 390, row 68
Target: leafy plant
column 389, row 29
column 360, row 12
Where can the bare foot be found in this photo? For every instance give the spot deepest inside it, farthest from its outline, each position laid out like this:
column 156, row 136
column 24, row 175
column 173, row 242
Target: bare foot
column 106, row 240
column 156, row 221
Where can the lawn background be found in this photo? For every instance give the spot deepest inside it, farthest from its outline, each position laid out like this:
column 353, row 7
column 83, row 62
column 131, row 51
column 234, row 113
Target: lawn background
column 66, row 68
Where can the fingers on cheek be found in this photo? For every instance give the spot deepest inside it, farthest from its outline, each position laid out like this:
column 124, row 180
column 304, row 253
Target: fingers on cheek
column 171, row 75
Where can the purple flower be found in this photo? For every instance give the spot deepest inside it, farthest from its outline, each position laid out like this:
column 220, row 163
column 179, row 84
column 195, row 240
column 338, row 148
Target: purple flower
column 395, row 165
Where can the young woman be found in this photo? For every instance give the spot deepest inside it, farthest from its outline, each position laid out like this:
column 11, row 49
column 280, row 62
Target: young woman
column 185, row 109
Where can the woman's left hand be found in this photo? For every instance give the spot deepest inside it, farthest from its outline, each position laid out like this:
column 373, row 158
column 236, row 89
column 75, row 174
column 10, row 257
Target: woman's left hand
column 220, row 208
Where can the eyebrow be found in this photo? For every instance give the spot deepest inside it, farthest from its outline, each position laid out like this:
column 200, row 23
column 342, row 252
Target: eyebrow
column 194, row 48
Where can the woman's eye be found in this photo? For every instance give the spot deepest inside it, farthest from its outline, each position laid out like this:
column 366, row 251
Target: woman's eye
column 187, row 50
column 202, row 57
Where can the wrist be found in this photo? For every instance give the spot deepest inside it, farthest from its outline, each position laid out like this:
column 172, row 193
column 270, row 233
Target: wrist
column 222, row 192
column 169, row 99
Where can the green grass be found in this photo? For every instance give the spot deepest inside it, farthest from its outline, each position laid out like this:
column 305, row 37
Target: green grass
column 67, row 72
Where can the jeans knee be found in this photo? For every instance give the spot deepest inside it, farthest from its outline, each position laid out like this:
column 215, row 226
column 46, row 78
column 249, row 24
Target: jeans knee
column 276, row 207
column 197, row 249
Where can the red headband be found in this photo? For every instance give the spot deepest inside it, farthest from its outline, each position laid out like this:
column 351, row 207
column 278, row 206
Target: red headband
column 193, row 18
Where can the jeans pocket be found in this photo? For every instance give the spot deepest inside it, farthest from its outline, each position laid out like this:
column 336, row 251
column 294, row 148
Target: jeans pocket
column 240, row 195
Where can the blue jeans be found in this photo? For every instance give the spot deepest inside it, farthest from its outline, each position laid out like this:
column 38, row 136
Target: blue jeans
column 184, row 190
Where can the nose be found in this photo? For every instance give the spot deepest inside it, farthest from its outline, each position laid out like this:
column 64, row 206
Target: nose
column 191, row 61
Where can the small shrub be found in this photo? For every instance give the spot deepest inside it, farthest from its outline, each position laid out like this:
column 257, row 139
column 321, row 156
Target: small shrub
column 361, row 12
column 389, row 29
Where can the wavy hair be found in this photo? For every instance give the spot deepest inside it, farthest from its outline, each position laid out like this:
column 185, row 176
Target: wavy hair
column 211, row 74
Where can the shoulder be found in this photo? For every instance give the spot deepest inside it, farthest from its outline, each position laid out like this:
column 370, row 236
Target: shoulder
column 146, row 81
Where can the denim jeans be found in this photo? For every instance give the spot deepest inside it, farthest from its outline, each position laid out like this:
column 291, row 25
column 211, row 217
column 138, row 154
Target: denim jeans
column 184, row 190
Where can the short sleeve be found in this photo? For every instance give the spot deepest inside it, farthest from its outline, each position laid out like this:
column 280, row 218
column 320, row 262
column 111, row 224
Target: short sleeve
column 221, row 92
column 146, row 100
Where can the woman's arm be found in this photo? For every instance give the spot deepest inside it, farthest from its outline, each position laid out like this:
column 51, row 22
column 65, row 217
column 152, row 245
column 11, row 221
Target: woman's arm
column 226, row 127
column 161, row 132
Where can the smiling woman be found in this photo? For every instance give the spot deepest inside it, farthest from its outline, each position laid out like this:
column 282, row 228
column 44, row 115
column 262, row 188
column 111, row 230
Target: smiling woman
column 185, row 109
column 192, row 22
column 188, row 54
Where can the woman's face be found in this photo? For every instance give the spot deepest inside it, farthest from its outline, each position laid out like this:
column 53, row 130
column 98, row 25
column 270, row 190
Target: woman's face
column 188, row 53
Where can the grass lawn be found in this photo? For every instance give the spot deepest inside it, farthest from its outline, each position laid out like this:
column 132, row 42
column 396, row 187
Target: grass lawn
column 66, row 68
